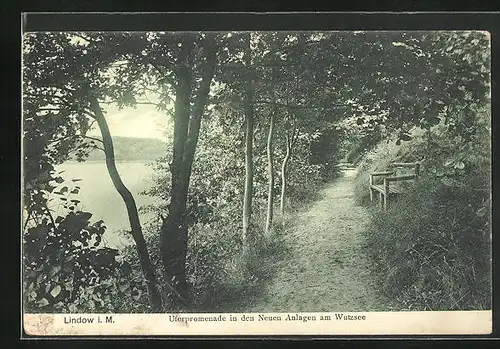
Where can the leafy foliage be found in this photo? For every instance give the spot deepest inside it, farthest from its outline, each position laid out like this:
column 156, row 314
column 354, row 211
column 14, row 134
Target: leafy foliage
column 66, row 267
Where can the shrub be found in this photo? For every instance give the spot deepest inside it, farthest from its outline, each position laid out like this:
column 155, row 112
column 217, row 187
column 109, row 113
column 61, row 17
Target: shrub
column 66, row 265
column 246, row 273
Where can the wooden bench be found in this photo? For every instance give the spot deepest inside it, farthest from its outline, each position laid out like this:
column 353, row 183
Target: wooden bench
column 385, row 189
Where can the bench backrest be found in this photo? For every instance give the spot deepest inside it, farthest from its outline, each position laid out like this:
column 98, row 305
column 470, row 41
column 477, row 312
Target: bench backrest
column 415, row 166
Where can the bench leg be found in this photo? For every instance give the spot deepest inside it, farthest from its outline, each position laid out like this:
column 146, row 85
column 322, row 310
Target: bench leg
column 371, row 194
column 386, row 200
column 380, row 200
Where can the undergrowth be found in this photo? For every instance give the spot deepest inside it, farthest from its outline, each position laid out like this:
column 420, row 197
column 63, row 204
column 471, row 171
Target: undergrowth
column 430, row 254
column 431, row 249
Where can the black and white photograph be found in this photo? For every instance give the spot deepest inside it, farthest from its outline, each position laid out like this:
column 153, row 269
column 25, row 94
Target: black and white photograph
column 255, row 172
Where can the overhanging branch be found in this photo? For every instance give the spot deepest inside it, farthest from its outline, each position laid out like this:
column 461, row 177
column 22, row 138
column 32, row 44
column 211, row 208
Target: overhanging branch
column 291, row 106
column 94, row 139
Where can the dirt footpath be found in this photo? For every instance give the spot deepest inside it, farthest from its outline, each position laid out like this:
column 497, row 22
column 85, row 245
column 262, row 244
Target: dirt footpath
column 326, row 269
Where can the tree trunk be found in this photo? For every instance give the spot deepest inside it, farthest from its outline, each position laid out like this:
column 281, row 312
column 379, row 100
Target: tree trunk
column 133, row 216
column 270, row 169
column 270, row 150
column 284, row 174
column 247, row 199
column 174, row 230
column 248, row 109
column 290, row 142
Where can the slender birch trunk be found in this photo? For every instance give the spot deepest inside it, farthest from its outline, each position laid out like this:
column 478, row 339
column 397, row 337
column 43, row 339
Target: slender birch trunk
column 290, row 141
column 284, row 176
column 248, row 109
column 270, row 169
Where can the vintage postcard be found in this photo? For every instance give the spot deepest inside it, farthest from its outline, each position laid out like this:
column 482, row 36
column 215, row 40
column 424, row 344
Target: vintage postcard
column 256, row 183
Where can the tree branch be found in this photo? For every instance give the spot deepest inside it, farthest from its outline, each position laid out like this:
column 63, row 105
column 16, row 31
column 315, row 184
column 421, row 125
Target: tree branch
column 157, row 67
column 94, row 139
column 48, row 109
column 92, row 124
column 115, row 101
column 300, row 106
column 47, row 210
column 28, row 218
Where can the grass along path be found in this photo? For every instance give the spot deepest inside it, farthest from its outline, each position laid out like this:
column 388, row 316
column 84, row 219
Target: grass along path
column 326, row 269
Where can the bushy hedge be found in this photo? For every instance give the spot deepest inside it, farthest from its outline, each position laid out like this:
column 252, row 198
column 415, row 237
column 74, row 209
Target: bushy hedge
column 431, row 249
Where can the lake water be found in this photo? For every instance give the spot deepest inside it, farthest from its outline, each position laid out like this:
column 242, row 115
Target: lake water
column 98, row 195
